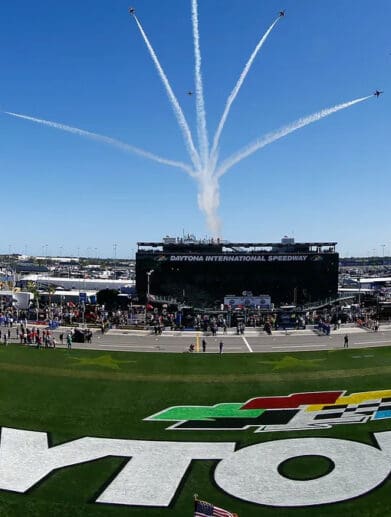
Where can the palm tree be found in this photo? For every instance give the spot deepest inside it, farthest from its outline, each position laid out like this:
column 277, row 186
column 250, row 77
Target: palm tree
column 51, row 291
column 33, row 288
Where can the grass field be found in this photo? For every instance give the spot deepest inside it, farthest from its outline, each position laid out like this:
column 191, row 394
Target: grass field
column 101, row 394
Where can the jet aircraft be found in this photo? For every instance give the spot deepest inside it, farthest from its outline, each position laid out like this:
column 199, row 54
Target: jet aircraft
column 189, row 93
column 376, row 93
column 132, row 11
column 281, row 13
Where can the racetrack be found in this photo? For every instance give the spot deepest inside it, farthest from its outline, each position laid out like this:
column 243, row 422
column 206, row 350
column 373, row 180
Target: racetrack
column 252, row 341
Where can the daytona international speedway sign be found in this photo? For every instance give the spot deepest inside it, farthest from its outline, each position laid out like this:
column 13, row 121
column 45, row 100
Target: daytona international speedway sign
column 156, row 470
column 243, row 258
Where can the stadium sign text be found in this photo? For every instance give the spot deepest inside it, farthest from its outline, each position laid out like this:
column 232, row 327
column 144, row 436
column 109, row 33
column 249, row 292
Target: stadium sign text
column 238, row 258
column 156, row 469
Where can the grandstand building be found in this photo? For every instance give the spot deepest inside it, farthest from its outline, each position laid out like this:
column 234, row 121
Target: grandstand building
column 203, row 273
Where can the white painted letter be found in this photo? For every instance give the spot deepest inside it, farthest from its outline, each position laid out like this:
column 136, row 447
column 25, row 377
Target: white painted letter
column 252, row 473
column 150, row 478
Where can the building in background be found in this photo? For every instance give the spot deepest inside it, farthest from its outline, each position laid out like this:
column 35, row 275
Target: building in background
column 203, row 273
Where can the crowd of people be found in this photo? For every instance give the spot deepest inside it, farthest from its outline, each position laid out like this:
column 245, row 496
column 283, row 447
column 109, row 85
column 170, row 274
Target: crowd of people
column 159, row 318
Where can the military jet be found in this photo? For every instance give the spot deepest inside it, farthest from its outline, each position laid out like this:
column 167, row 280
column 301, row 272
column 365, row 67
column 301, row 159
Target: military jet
column 281, row 13
column 376, row 93
column 189, row 93
column 132, row 11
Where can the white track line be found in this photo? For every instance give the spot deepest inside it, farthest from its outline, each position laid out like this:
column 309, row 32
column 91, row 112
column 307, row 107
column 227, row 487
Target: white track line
column 247, row 344
column 371, row 342
column 288, row 347
column 113, row 347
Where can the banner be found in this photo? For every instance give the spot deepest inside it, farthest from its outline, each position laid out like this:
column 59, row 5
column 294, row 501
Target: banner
column 262, row 301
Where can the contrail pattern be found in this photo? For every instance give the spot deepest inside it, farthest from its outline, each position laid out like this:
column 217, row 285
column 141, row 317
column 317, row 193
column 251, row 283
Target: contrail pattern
column 206, row 168
column 238, row 85
column 200, row 102
column 106, row 140
column 284, row 131
column 173, row 100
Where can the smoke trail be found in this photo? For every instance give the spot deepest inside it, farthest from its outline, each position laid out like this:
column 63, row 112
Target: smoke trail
column 200, row 103
column 174, row 102
column 106, row 140
column 272, row 137
column 209, row 201
column 238, row 85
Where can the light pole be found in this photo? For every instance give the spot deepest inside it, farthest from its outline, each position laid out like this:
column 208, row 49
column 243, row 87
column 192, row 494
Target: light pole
column 149, row 273
column 383, row 246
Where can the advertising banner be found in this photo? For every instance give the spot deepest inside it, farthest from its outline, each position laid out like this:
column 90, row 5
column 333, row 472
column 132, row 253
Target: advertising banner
column 262, row 301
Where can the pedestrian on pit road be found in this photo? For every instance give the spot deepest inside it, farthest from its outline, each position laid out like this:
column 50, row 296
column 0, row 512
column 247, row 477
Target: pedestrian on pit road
column 203, row 345
column 346, row 341
column 221, row 346
column 69, row 341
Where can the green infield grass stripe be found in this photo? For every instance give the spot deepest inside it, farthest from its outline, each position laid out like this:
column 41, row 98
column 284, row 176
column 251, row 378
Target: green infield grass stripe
column 211, row 378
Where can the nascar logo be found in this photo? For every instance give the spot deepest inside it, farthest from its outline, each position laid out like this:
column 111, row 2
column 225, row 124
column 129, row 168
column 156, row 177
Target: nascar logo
column 298, row 411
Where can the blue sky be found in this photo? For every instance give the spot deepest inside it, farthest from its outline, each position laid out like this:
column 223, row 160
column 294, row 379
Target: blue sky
column 85, row 64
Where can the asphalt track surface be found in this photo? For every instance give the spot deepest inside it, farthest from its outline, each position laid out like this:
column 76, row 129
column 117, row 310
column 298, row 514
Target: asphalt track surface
column 253, row 341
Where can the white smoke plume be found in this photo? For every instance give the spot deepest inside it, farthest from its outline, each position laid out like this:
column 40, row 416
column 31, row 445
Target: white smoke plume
column 284, row 131
column 235, row 91
column 106, row 140
column 194, row 156
column 200, row 100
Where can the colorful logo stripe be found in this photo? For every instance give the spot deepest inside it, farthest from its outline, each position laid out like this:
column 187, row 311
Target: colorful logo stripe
column 297, row 411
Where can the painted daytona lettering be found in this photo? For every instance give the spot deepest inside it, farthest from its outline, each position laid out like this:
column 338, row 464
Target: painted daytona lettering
column 155, row 471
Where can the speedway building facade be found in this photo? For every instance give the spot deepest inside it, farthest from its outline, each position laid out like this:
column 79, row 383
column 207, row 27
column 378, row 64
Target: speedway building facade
column 203, row 273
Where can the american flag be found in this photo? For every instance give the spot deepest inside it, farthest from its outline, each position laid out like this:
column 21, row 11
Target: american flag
column 204, row 509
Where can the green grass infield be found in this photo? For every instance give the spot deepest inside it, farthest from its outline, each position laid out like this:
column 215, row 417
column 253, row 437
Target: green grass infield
column 75, row 394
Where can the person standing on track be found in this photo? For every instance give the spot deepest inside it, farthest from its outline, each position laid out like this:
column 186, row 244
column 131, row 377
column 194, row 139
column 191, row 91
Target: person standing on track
column 69, row 341
column 221, row 346
column 346, row 341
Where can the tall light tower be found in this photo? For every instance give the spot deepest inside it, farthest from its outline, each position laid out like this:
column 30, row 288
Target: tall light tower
column 383, row 246
column 149, row 273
